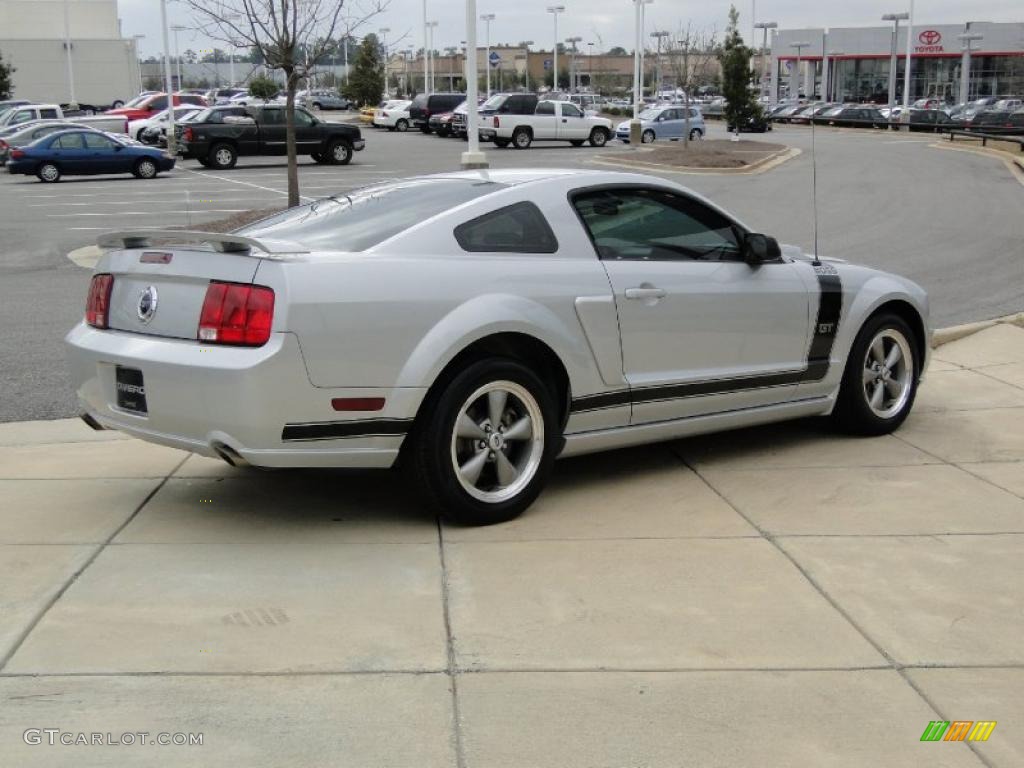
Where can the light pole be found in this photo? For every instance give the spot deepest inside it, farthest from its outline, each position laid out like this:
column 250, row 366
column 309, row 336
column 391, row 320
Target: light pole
column 895, row 18
column 590, row 66
column 634, row 124
column 426, row 62
column 526, row 69
column 177, row 56
column 765, row 25
column 796, row 72
column 965, row 63
column 487, row 18
column 659, row 34
column 905, row 114
column 72, row 103
column 554, row 10
column 573, row 74
column 138, row 65
column 384, row 45
column 643, row 29
column 829, row 78
column 431, row 26
column 472, row 157
column 172, row 140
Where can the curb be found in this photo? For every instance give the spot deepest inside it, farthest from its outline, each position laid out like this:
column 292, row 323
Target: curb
column 1014, row 164
column 942, row 336
column 761, row 166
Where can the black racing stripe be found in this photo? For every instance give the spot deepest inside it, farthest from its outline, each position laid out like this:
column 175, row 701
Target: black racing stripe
column 334, row 430
column 826, row 326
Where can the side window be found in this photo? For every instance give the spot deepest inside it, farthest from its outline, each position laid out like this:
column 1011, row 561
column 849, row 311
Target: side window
column 518, row 228
column 302, row 119
column 157, row 103
column 571, row 110
column 545, row 108
column 22, row 117
column 95, row 141
column 68, row 141
column 652, row 224
column 273, row 116
column 48, row 114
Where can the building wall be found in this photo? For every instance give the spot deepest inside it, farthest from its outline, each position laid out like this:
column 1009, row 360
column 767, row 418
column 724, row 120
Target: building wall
column 104, row 70
column 44, row 19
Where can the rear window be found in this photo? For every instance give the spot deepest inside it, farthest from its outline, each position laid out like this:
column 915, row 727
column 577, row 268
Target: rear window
column 420, row 101
column 366, row 217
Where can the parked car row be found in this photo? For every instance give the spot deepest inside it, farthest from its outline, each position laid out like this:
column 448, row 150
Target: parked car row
column 74, row 150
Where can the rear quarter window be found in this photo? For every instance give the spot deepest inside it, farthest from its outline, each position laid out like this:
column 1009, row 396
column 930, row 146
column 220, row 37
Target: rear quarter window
column 517, row 228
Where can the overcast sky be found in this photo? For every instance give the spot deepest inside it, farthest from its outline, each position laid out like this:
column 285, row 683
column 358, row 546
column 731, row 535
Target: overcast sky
column 603, row 22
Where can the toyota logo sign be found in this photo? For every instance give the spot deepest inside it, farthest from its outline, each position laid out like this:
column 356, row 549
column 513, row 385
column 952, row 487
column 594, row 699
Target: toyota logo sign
column 930, row 37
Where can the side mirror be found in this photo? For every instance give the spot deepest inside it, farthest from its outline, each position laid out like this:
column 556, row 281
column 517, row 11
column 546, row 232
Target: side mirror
column 759, row 248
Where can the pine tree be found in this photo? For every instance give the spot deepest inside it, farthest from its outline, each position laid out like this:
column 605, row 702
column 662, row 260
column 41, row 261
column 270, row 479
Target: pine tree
column 740, row 105
column 366, row 82
column 6, row 70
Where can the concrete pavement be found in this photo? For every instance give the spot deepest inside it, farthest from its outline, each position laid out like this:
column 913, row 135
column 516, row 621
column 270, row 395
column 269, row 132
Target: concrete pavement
column 775, row 596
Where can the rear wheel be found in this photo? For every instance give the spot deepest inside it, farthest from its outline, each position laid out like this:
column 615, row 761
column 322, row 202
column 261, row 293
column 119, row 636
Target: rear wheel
column 145, row 169
column 317, row 105
column 48, row 172
column 402, row 125
column 222, row 156
column 647, row 136
column 598, row 137
column 880, row 380
column 696, row 134
column 339, row 153
column 484, row 445
column 501, row 143
column 521, row 138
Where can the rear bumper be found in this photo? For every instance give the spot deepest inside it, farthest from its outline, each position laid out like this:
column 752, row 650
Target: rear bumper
column 359, row 145
column 258, row 403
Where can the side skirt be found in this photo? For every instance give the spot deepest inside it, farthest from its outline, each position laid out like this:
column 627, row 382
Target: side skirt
column 639, row 434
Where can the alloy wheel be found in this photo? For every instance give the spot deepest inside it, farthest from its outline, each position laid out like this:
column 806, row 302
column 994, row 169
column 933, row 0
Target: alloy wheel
column 497, row 442
column 223, row 156
column 888, row 373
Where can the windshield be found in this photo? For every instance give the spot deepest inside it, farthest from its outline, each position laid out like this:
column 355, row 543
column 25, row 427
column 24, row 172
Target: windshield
column 138, row 100
column 364, row 218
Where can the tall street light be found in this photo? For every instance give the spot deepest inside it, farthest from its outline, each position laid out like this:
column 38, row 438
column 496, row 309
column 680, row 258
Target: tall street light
column 384, row 45
column 554, row 10
column 431, row 26
column 172, row 140
column 965, row 63
column 590, row 66
column 138, row 65
column 634, row 124
column 828, row 80
column 895, row 18
column 526, row 71
column 799, row 47
column 72, row 103
column 905, row 113
column 573, row 74
column 643, row 30
column 472, row 157
column 765, row 25
column 487, row 18
column 177, row 56
column 659, row 34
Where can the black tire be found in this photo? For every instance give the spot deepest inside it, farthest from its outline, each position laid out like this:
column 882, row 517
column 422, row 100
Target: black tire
column 48, row 173
column 222, row 157
column 577, row 142
column 138, row 136
column 117, row 104
column 203, row 162
column 430, row 451
column 317, row 105
column 853, row 411
column 145, row 168
column 647, row 136
column 401, row 125
column 696, row 134
column 425, row 128
column 599, row 137
column 339, row 152
column 501, row 143
column 522, row 138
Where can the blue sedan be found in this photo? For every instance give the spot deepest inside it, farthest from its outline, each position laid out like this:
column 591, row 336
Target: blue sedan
column 86, row 152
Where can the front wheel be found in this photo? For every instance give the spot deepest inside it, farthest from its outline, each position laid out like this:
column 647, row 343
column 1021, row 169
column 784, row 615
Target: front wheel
column 880, row 380
column 598, row 137
column 484, row 446
column 402, row 125
column 48, row 172
column 339, row 153
column 145, row 169
column 317, row 105
column 647, row 136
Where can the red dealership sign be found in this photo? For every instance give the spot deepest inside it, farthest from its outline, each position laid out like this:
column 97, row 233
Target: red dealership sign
column 930, row 40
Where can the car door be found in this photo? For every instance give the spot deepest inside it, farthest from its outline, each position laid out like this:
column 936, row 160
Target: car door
column 272, row 130
column 545, row 120
column 68, row 152
column 571, row 124
column 701, row 331
column 307, row 134
column 102, row 155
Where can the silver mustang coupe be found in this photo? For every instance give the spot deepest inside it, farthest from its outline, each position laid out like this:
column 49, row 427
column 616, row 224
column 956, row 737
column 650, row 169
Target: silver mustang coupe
column 474, row 326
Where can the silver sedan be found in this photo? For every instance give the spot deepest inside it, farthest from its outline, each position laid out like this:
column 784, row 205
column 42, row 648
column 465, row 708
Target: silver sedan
column 478, row 325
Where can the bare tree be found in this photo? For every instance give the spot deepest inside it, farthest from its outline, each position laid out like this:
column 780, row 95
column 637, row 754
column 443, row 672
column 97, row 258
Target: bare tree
column 290, row 35
column 692, row 56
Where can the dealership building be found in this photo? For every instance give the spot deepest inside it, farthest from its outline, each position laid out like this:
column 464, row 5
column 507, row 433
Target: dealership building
column 104, row 65
column 853, row 63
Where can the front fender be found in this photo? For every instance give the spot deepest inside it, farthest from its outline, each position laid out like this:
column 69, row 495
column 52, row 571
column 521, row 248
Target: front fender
column 492, row 314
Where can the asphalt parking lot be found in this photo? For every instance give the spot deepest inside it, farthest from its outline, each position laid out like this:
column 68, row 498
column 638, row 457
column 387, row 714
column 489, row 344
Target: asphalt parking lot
column 780, row 596
column 949, row 220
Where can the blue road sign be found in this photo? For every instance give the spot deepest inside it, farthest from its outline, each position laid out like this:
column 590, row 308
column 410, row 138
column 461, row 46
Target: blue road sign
column 547, row 63
column 495, row 59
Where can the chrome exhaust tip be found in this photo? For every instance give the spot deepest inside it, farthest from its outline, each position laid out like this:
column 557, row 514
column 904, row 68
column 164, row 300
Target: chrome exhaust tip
column 230, row 455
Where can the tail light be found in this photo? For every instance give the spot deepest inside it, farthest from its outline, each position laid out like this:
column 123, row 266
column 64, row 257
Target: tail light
column 187, row 134
column 97, row 304
column 383, row 114
column 497, row 122
column 17, row 154
column 236, row 313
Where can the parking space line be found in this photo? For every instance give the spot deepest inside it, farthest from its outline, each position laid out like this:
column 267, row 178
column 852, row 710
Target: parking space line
column 245, row 183
column 198, row 200
column 161, row 213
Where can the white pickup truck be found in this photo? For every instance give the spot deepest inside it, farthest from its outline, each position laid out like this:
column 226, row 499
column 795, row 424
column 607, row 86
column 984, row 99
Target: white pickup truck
column 28, row 113
column 553, row 121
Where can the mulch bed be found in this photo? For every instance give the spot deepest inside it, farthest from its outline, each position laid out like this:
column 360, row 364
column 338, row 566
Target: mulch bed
column 710, row 153
column 234, row 221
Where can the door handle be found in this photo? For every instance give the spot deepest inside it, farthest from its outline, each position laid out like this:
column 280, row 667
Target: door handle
column 646, row 292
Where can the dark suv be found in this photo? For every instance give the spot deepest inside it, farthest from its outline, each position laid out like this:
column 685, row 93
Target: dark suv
column 498, row 104
column 425, row 105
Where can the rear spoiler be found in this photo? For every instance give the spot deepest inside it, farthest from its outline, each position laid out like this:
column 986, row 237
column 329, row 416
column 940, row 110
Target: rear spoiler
column 143, row 238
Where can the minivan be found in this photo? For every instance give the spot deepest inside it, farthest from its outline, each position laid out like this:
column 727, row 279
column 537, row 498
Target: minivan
column 427, row 104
